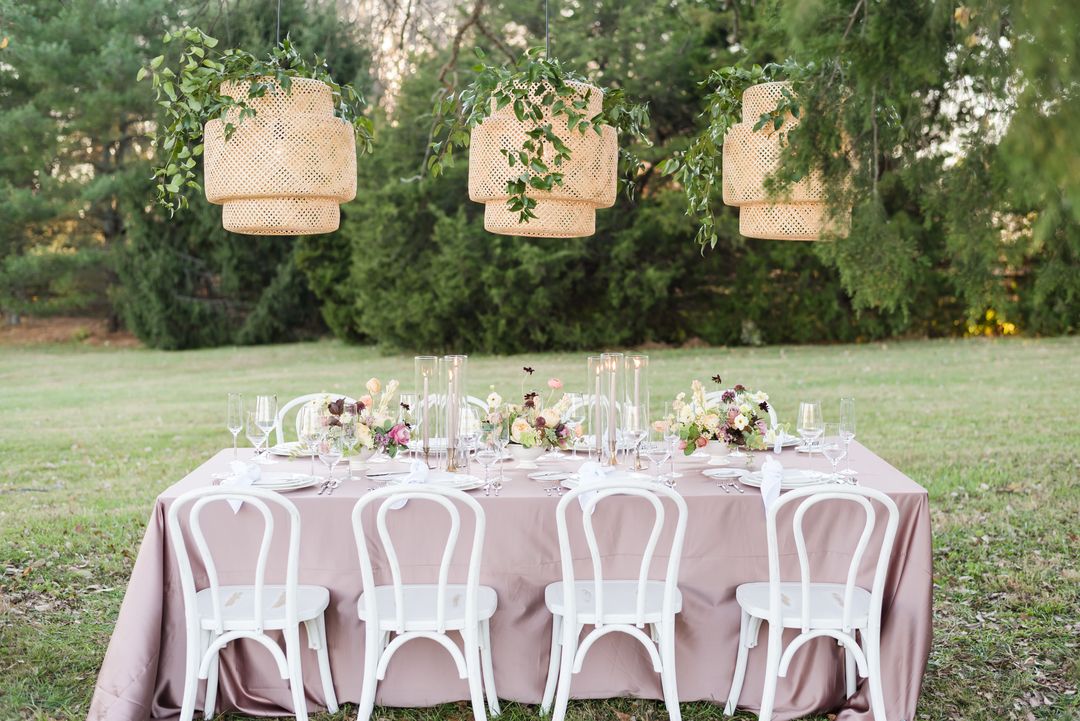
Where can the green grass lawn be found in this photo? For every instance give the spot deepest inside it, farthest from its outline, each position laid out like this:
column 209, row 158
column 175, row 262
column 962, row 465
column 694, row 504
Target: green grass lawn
column 88, row 438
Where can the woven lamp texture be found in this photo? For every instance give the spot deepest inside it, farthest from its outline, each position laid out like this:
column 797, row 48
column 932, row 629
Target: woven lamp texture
column 750, row 156
column 286, row 170
column 589, row 177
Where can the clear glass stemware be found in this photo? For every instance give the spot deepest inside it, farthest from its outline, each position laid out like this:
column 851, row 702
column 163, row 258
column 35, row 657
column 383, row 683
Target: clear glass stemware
column 847, row 432
column 810, row 423
column 833, row 448
column 234, row 419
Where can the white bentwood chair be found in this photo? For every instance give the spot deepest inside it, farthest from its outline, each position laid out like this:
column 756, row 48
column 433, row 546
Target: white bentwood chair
column 431, row 611
column 614, row 605
column 219, row 615
column 279, row 427
column 837, row 610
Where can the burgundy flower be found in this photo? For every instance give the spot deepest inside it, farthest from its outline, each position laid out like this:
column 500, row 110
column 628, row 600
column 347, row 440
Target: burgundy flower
column 405, row 406
column 337, row 407
column 727, row 397
column 529, row 370
column 716, row 379
column 334, row 421
column 764, row 405
column 540, row 423
column 360, row 407
column 740, row 387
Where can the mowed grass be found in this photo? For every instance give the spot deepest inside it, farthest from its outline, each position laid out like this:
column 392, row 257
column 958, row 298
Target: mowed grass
column 88, row 438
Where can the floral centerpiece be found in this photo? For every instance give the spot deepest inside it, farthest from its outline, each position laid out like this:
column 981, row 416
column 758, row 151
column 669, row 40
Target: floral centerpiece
column 376, row 428
column 740, row 418
column 537, row 423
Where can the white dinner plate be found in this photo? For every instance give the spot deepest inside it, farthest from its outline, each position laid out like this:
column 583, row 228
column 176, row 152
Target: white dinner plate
column 722, row 473
column 292, row 449
column 550, row 476
column 573, row 481
column 283, row 482
column 460, row 481
column 793, row 478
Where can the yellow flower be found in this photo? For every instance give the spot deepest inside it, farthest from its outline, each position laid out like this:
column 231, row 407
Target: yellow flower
column 373, row 386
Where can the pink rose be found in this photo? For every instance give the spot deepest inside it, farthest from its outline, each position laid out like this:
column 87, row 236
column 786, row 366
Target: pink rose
column 682, row 445
column 399, row 434
column 554, row 384
column 366, row 400
column 702, row 441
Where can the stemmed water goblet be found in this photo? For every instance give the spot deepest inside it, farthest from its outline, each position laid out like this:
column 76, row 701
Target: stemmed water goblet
column 833, row 448
column 266, row 418
column 671, row 435
column 234, row 420
column 331, row 447
column 657, row 449
column 635, row 426
column 810, row 423
column 847, row 432
column 488, row 450
column 349, row 435
column 255, row 434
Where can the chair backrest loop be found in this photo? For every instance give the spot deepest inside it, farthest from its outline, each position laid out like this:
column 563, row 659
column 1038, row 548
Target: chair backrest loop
column 262, row 501
column 450, row 500
column 653, row 495
column 807, row 498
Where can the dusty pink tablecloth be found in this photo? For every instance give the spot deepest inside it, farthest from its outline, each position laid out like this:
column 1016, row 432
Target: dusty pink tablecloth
column 142, row 674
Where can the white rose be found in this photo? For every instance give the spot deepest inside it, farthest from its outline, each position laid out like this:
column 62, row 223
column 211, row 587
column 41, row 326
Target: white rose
column 711, row 421
column 551, row 417
column 519, row 427
column 760, row 397
column 686, row 415
column 740, row 422
column 364, row 437
column 494, row 400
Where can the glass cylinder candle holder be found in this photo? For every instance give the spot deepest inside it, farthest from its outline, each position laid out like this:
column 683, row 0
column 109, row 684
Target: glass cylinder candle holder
column 453, row 370
column 636, row 374
column 426, row 382
column 595, row 394
column 612, row 386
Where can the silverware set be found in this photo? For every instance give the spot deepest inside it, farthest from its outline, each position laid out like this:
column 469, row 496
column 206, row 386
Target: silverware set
column 554, row 490
column 732, row 486
column 328, row 486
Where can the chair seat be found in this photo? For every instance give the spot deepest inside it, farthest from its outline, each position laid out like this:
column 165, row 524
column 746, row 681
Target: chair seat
column 421, row 601
column 620, row 601
column 238, row 606
column 826, row 604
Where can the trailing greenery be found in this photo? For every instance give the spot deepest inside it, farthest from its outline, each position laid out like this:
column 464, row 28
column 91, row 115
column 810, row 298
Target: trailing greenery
column 192, row 95
column 538, row 90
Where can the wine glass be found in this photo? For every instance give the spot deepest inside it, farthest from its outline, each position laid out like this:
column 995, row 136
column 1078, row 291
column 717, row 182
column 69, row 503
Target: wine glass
column 349, row 435
column 810, row 423
column 635, row 426
column 310, row 428
column 501, row 435
column 833, row 448
column 847, row 432
column 234, row 420
column 671, row 435
column 266, row 414
column 657, row 450
column 331, row 448
column 255, row 434
column 575, row 419
column 487, row 452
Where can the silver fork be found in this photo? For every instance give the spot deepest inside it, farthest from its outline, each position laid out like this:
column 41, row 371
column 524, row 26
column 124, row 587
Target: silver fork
column 737, row 488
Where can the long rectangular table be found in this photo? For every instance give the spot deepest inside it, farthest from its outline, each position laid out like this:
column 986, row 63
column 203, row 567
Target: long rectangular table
column 142, row 673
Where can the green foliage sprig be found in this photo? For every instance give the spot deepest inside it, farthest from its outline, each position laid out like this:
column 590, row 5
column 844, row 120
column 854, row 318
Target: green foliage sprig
column 699, row 168
column 191, row 95
column 495, row 87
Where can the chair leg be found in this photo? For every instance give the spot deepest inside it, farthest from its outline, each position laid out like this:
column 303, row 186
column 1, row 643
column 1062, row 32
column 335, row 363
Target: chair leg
column 323, row 654
column 570, row 633
column 472, row 666
column 211, row 687
column 667, row 670
column 191, row 674
column 488, row 668
column 296, row 675
column 373, row 646
column 849, row 671
column 873, row 663
column 553, row 666
column 740, row 664
column 772, row 672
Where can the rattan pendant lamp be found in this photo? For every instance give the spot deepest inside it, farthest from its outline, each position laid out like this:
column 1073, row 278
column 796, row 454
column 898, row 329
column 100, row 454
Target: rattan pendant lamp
column 589, row 176
column 750, row 156
column 286, row 170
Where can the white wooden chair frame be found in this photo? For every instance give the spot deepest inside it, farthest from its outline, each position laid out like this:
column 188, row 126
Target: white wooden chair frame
column 476, row 634
column 714, row 397
column 865, row 656
column 279, row 432
column 203, row 645
column 567, row 653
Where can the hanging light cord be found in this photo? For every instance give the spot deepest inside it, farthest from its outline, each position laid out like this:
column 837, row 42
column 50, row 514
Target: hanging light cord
column 547, row 29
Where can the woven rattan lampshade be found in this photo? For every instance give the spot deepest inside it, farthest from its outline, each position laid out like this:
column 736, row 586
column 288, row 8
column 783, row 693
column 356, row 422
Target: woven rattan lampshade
column 589, row 177
column 286, row 170
column 750, row 156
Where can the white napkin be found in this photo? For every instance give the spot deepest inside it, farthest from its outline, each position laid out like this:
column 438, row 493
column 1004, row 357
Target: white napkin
column 418, row 474
column 243, row 474
column 772, row 476
column 591, row 473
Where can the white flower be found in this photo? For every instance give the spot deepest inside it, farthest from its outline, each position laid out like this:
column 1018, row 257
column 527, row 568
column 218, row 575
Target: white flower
column 740, row 422
column 551, row 417
column 711, row 421
column 686, row 415
column 760, row 397
column 563, row 405
column 519, row 427
column 494, row 400
column 364, row 436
